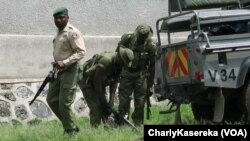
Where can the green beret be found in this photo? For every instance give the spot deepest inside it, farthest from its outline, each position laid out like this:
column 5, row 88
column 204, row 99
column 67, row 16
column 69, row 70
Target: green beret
column 60, row 10
column 127, row 55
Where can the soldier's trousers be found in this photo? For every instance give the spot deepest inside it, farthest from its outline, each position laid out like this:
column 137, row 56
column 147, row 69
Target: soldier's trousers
column 61, row 95
column 92, row 100
column 138, row 86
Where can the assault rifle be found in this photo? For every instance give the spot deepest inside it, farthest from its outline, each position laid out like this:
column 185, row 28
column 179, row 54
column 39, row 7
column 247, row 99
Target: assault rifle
column 149, row 94
column 117, row 116
column 122, row 118
column 50, row 78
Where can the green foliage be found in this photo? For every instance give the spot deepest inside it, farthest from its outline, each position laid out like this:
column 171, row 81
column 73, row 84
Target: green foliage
column 16, row 122
column 53, row 131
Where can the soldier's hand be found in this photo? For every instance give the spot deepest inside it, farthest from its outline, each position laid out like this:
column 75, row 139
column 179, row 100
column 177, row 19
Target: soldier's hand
column 111, row 104
column 107, row 112
column 149, row 91
column 59, row 65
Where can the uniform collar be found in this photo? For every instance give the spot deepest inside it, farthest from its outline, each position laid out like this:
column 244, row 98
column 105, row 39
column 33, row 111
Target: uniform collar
column 66, row 28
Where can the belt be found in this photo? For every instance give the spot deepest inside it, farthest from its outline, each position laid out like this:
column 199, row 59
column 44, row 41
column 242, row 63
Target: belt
column 134, row 69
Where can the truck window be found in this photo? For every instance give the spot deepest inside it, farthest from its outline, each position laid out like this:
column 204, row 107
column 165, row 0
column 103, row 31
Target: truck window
column 227, row 28
column 224, row 29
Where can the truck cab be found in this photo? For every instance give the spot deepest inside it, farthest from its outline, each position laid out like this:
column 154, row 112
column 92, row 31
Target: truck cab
column 209, row 67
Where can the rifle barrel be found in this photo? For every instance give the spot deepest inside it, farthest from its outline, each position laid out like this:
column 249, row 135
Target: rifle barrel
column 124, row 119
column 46, row 80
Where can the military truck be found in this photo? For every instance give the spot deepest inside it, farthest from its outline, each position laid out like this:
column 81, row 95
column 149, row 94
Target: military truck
column 210, row 67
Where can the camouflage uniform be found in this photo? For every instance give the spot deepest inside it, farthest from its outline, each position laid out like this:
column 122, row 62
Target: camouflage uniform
column 139, row 77
column 68, row 47
column 108, row 63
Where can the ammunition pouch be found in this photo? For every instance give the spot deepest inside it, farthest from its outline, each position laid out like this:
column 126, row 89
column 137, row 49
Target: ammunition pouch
column 90, row 65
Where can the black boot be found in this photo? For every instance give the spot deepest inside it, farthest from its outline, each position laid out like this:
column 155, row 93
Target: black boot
column 72, row 132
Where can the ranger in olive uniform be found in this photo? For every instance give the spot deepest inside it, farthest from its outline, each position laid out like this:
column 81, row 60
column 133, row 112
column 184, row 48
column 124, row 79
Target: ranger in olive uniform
column 138, row 78
column 69, row 49
column 102, row 70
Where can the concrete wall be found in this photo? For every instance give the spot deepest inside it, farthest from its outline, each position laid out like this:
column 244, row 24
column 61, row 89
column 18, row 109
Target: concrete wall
column 15, row 99
column 27, row 30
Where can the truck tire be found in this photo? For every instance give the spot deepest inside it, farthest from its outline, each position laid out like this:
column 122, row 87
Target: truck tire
column 246, row 101
column 231, row 114
column 202, row 111
column 232, row 111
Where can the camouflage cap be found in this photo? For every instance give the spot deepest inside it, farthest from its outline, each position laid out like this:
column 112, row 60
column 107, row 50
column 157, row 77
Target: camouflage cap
column 127, row 55
column 60, row 10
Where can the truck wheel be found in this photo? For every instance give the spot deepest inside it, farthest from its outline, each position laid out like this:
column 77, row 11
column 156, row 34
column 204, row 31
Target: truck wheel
column 246, row 101
column 202, row 111
column 232, row 112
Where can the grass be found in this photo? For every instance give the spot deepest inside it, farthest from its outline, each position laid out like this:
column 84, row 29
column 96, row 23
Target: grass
column 168, row 119
column 53, row 131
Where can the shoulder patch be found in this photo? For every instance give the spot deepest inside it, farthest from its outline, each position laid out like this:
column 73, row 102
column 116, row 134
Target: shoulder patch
column 75, row 35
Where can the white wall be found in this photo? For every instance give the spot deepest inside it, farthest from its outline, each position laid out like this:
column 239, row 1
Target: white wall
column 27, row 30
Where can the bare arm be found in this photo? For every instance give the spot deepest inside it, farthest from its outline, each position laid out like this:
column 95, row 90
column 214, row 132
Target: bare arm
column 112, row 91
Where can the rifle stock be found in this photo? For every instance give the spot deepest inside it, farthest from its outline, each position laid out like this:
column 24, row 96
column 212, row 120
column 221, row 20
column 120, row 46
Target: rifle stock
column 49, row 78
column 149, row 93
